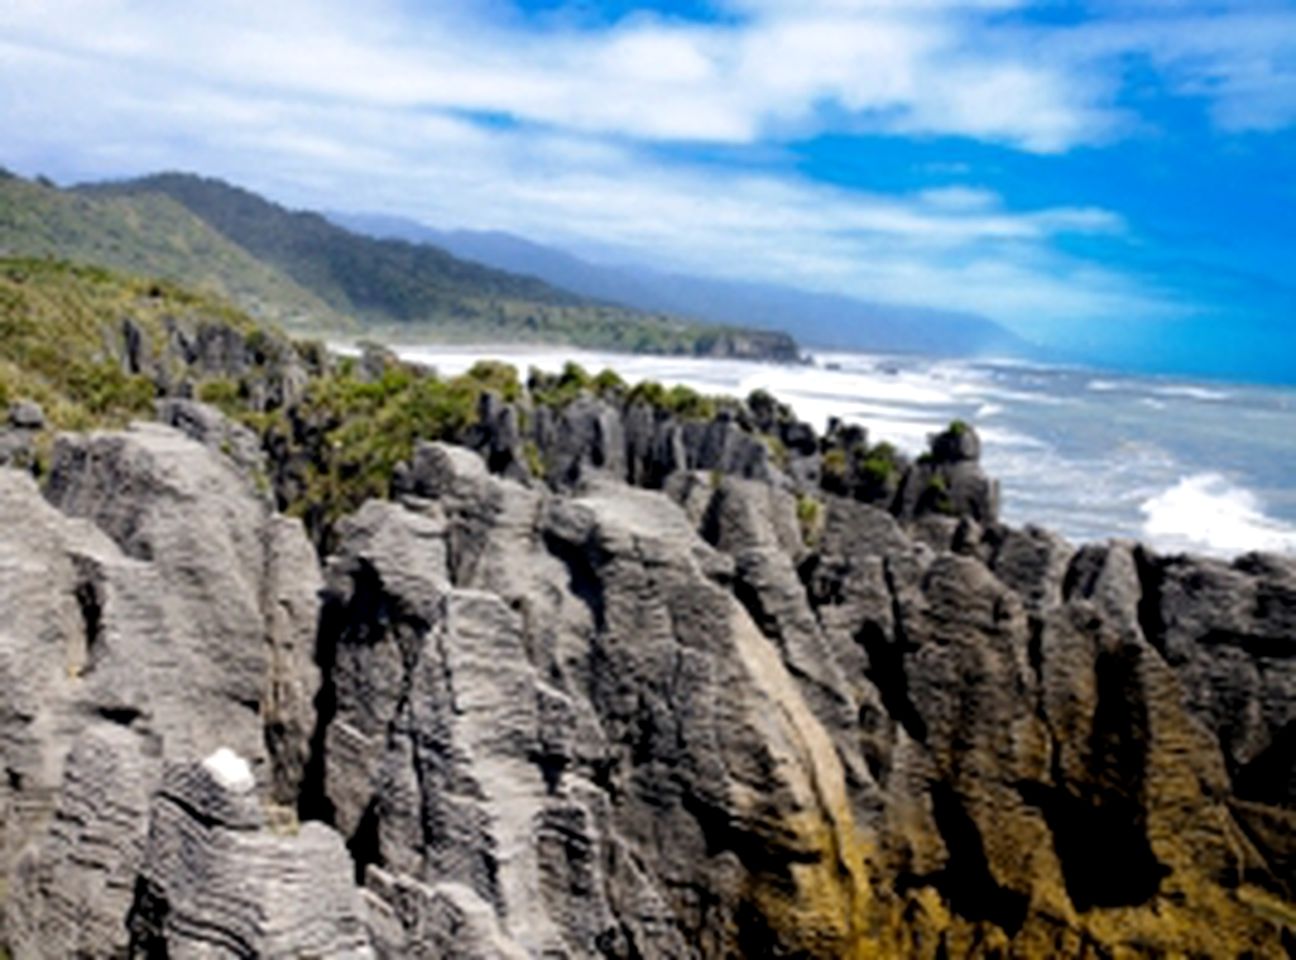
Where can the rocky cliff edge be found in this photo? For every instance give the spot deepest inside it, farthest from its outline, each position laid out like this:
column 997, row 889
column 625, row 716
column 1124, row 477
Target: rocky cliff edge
column 649, row 708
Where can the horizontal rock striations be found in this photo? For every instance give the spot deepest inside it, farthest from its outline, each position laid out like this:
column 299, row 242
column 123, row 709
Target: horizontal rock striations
column 698, row 694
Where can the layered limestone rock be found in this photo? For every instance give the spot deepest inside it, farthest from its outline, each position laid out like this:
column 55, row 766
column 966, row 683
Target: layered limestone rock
column 595, row 720
column 566, row 441
column 215, row 882
column 557, row 704
column 156, row 609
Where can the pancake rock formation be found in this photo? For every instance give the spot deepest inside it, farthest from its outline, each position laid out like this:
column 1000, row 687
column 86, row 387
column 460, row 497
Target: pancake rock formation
column 652, row 707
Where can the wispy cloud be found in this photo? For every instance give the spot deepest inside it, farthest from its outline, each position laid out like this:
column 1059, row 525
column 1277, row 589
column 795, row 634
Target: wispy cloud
column 943, row 67
column 463, row 116
column 895, row 67
column 1239, row 59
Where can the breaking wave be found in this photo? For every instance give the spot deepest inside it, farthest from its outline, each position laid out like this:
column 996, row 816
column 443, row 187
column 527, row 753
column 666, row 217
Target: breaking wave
column 1208, row 512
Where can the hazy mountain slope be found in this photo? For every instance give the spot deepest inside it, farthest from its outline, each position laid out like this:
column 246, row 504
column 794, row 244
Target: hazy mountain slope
column 392, row 282
column 147, row 234
column 819, row 319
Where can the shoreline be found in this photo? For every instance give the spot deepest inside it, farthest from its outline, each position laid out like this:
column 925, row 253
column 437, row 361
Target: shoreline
column 1086, row 488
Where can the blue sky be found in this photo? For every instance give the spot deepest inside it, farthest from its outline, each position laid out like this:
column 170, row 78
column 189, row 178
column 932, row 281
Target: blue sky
column 1115, row 179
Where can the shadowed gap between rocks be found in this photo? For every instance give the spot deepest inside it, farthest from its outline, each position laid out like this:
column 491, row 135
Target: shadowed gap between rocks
column 1151, row 578
column 312, row 800
column 1255, row 647
column 966, row 880
column 1271, row 776
column 749, row 596
column 1099, row 827
column 146, row 923
column 364, row 845
column 1105, row 857
column 582, row 579
column 886, row 671
column 91, row 607
column 339, row 618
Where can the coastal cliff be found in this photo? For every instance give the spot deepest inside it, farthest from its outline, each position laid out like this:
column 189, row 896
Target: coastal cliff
column 372, row 664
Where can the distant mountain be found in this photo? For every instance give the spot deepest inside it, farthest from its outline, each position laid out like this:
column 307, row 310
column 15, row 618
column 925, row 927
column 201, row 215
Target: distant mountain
column 150, row 235
column 389, row 283
column 819, row 319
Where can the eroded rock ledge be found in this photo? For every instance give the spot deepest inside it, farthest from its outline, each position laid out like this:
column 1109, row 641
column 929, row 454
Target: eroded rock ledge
column 587, row 719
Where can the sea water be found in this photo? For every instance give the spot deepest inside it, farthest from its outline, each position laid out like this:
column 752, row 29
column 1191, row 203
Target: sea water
column 1182, row 465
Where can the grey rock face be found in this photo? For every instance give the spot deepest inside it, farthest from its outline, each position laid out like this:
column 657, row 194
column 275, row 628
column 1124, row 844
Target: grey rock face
column 215, row 883
column 585, row 435
column 497, row 436
column 25, row 420
column 554, row 732
column 26, row 415
column 73, row 889
column 958, row 444
column 409, row 919
column 231, row 597
column 615, row 722
column 213, row 429
column 163, row 613
column 722, row 446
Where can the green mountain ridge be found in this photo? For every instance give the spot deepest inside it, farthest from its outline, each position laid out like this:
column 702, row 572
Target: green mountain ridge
column 398, row 287
column 149, row 235
column 298, row 270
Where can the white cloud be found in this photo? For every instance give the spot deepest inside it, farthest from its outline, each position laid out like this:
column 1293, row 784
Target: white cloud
column 896, row 66
column 914, row 67
column 957, row 248
column 1239, row 58
column 364, row 105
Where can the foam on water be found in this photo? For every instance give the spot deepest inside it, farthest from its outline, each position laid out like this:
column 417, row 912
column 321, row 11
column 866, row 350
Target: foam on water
column 1192, row 393
column 1208, row 512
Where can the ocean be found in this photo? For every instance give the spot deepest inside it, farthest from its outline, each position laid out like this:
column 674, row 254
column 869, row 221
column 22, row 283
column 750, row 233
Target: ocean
column 1181, row 465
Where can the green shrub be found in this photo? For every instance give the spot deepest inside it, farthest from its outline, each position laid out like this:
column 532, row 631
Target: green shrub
column 558, row 391
column 534, row 462
column 834, row 464
column 936, row 495
column 259, row 343
column 366, row 429
column 761, row 401
column 766, row 407
column 608, row 382
column 778, row 452
column 501, row 378
column 810, row 518
column 648, row 392
column 105, row 391
column 574, row 375
column 312, row 353
column 223, row 393
column 688, row 404
column 879, row 467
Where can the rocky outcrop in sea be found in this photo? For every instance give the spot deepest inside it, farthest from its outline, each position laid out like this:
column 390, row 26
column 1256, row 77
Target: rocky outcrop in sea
column 605, row 681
